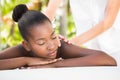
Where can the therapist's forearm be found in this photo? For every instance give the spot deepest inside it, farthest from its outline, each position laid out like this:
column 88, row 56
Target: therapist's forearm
column 111, row 12
column 52, row 8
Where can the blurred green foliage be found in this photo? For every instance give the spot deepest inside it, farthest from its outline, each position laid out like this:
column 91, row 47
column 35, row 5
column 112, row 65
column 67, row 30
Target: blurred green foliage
column 9, row 34
column 7, row 6
column 9, row 37
column 71, row 30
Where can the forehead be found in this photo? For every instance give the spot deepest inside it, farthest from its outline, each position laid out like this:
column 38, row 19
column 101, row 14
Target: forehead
column 41, row 30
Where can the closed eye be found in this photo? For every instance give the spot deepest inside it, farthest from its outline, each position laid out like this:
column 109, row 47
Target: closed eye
column 41, row 43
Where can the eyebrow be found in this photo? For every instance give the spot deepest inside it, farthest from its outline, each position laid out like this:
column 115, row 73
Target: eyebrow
column 44, row 38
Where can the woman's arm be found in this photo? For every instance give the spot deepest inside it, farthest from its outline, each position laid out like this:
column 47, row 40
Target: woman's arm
column 13, row 57
column 16, row 57
column 74, row 56
column 19, row 62
column 77, row 56
column 111, row 11
column 13, row 52
column 52, row 8
column 12, row 63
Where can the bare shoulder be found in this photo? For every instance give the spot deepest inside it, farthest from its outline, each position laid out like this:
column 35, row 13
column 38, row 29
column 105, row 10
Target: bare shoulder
column 69, row 50
column 73, row 51
column 11, row 52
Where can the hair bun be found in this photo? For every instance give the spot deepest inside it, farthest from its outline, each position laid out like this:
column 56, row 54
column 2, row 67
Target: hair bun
column 18, row 11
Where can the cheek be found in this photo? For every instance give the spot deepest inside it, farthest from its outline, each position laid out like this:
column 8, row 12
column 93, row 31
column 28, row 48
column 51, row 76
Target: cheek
column 39, row 50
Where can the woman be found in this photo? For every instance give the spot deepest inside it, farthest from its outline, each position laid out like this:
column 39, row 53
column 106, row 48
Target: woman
column 42, row 48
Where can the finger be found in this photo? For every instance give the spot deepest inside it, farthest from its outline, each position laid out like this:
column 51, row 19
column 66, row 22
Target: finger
column 59, row 59
column 66, row 40
column 69, row 42
column 22, row 68
column 53, row 61
column 39, row 63
column 61, row 37
column 32, row 67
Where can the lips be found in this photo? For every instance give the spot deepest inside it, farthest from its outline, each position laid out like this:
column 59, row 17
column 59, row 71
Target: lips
column 53, row 53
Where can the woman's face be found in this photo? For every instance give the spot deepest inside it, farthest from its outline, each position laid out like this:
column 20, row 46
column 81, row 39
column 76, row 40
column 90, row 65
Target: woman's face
column 43, row 41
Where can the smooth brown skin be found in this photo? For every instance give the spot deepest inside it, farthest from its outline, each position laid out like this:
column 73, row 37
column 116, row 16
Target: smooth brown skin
column 73, row 56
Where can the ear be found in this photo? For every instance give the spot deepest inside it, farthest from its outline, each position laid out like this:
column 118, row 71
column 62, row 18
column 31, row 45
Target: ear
column 26, row 45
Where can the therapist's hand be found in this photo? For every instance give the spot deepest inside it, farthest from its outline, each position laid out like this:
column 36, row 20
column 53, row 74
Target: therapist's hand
column 64, row 39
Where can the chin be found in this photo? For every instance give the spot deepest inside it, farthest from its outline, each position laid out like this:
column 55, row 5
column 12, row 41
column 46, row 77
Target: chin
column 52, row 57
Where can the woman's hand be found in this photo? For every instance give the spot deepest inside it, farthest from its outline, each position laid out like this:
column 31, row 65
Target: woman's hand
column 41, row 66
column 44, row 64
column 31, row 61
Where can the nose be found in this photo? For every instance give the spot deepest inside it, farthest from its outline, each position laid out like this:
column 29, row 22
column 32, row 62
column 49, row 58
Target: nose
column 51, row 45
